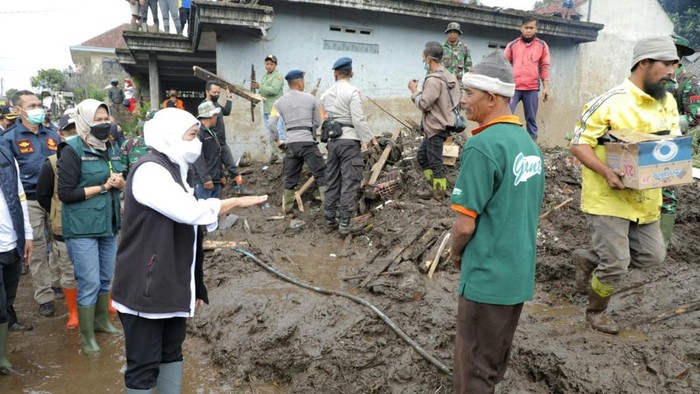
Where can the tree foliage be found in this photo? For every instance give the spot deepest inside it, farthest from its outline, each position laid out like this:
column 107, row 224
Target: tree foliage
column 10, row 92
column 685, row 15
column 51, row 79
column 544, row 3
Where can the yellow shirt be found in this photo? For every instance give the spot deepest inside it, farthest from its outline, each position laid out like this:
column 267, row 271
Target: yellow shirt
column 622, row 107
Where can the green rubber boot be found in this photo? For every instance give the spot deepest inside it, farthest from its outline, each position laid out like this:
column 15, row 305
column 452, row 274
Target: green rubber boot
column 288, row 201
column 428, row 174
column 667, row 222
column 102, row 322
column 86, row 316
column 5, row 366
column 322, row 192
column 170, row 378
column 439, row 186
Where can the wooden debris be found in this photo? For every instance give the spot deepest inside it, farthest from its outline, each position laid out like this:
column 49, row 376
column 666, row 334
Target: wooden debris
column 388, row 273
column 562, row 205
column 212, row 244
column 681, row 310
column 379, row 165
column 408, row 240
column 436, row 260
column 238, row 90
column 426, row 241
column 298, row 193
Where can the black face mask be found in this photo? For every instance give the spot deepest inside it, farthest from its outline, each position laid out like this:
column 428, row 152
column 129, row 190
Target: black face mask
column 214, row 99
column 101, row 130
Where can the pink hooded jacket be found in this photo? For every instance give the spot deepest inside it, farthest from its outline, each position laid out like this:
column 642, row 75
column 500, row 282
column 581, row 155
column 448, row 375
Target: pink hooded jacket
column 530, row 62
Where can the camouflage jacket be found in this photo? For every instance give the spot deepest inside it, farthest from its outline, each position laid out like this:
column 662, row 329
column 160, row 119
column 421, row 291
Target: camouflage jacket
column 132, row 151
column 686, row 91
column 456, row 59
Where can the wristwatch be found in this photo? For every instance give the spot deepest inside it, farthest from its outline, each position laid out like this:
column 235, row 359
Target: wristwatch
column 103, row 189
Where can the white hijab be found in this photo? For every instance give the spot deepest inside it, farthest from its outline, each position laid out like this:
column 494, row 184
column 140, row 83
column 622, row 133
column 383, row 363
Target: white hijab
column 164, row 133
column 85, row 118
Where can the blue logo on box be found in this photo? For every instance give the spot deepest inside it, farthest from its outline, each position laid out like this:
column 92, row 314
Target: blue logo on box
column 665, row 151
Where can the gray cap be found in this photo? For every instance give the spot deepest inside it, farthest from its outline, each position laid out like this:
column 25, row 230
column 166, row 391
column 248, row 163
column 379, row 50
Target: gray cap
column 493, row 74
column 656, row 48
column 453, row 26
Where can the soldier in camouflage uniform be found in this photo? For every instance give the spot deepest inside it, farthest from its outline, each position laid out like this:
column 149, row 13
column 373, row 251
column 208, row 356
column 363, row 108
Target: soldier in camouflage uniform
column 686, row 90
column 135, row 147
column 456, row 57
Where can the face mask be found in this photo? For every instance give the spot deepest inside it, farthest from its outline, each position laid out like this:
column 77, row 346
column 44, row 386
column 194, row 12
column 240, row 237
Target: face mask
column 173, row 94
column 101, row 130
column 36, row 116
column 426, row 66
column 214, row 99
column 190, row 150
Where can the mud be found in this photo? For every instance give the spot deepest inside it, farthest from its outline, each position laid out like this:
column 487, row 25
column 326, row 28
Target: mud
column 263, row 335
column 262, row 329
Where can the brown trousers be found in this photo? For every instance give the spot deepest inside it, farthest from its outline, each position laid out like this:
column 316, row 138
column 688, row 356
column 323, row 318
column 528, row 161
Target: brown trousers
column 482, row 344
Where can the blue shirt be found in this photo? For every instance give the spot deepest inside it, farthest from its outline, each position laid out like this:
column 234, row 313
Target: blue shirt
column 185, row 3
column 30, row 150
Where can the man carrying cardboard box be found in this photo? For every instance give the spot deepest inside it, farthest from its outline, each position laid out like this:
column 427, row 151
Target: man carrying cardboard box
column 624, row 222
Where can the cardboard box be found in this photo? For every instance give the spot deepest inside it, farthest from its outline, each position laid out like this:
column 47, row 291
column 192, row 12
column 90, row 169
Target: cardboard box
column 650, row 161
column 450, row 152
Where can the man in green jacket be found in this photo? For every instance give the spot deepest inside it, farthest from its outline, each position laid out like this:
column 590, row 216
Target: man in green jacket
column 271, row 88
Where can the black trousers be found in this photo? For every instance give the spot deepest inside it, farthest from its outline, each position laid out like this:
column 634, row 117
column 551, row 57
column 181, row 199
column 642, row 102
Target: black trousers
column 10, row 271
column 184, row 17
column 227, row 159
column 343, row 175
column 429, row 154
column 296, row 155
column 482, row 344
column 149, row 343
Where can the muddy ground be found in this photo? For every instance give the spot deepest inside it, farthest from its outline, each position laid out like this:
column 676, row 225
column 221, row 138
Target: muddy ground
column 262, row 329
column 263, row 335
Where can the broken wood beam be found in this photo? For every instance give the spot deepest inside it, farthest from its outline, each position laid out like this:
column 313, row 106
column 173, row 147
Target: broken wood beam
column 562, row 205
column 238, row 90
column 404, row 124
column 436, row 260
column 395, row 253
column 379, row 165
column 298, row 193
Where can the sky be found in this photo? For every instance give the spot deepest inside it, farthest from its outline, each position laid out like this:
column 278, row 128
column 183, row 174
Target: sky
column 42, row 31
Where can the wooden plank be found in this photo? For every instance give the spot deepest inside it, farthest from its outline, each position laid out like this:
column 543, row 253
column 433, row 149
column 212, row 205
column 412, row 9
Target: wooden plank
column 238, row 90
column 298, row 193
column 379, row 165
column 395, row 253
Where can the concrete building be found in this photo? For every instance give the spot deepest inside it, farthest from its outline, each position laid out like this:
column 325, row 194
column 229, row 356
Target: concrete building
column 384, row 37
column 99, row 52
column 600, row 64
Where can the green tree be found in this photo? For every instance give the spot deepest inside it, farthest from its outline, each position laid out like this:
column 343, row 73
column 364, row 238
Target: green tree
column 685, row 15
column 544, row 3
column 51, row 79
column 9, row 93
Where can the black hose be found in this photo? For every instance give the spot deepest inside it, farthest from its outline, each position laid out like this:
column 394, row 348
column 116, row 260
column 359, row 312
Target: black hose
column 358, row 300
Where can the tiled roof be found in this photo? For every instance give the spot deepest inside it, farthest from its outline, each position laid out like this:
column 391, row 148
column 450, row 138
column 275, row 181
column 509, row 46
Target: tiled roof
column 110, row 39
column 555, row 8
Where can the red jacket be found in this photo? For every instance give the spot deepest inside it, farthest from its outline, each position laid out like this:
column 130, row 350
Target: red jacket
column 530, row 62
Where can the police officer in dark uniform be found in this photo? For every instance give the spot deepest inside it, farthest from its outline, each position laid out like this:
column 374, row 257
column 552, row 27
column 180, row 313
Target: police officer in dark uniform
column 301, row 114
column 343, row 103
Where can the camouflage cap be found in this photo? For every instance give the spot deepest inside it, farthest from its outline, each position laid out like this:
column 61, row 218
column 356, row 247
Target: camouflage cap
column 682, row 45
column 453, row 26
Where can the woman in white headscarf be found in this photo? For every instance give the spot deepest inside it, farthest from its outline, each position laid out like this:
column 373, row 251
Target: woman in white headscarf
column 158, row 278
column 89, row 181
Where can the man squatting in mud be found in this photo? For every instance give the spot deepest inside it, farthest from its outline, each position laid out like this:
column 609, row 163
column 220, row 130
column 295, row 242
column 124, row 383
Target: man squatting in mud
column 497, row 196
column 624, row 222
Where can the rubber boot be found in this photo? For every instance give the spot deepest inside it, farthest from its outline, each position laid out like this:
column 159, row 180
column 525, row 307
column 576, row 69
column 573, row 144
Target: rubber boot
column 170, row 378
column 428, row 174
column 102, row 322
column 322, row 193
column 597, row 305
column 584, row 262
column 439, row 186
column 346, row 226
column 288, row 201
column 667, row 222
column 134, row 26
column 144, row 27
column 112, row 309
column 330, row 218
column 5, row 366
column 86, row 315
column 72, row 307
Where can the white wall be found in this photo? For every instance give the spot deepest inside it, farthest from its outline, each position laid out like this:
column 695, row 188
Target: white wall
column 297, row 39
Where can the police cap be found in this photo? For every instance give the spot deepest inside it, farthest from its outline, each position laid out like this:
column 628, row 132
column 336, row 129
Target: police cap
column 344, row 63
column 294, row 74
column 271, row 58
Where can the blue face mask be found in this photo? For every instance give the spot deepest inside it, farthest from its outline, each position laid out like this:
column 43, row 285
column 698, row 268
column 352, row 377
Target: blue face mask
column 36, row 116
column 426, row 66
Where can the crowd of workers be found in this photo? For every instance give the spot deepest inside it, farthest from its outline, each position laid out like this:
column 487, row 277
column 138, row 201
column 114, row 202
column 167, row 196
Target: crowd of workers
column 65, row 187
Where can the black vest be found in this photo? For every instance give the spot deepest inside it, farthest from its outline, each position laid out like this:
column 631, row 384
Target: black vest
column 8, row 183
column 153, row 269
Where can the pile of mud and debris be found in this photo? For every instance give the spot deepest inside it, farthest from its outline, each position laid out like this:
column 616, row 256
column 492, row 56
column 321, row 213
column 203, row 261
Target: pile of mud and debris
column 266, row 333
